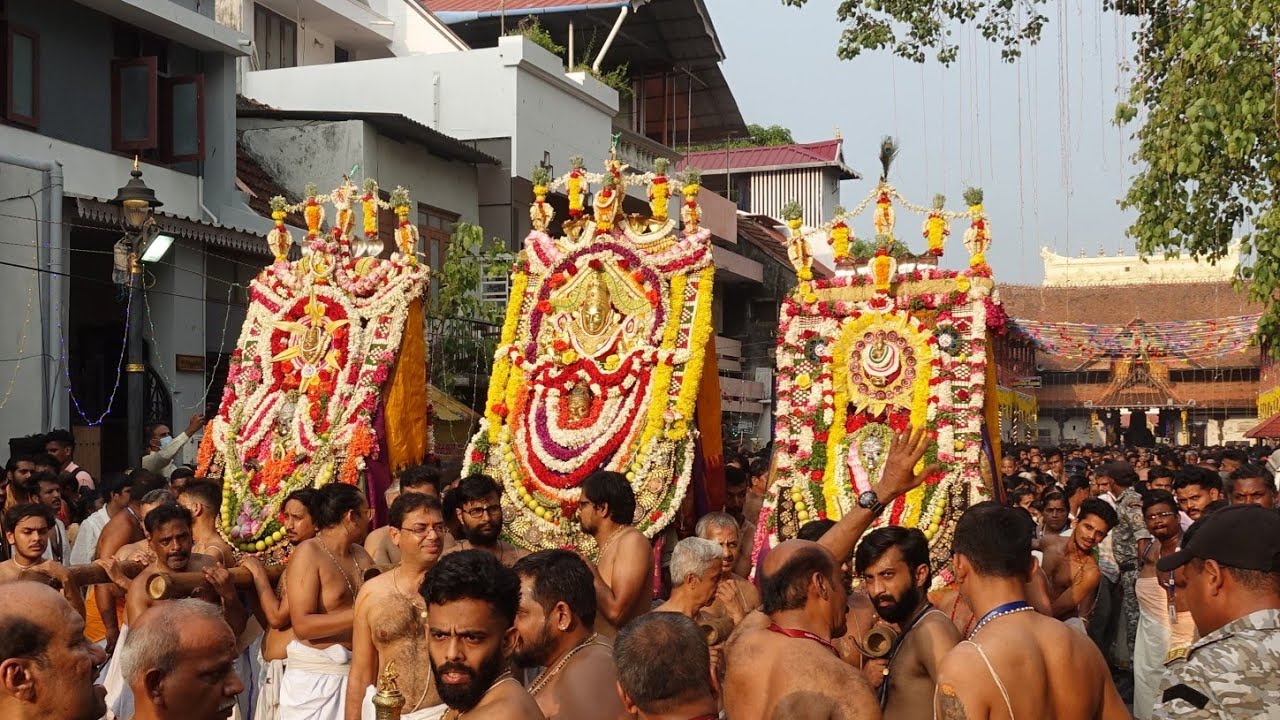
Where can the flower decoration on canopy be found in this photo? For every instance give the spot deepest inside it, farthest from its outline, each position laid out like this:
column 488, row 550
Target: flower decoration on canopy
column 868, row 354
column 600, row 360
column 327, row 340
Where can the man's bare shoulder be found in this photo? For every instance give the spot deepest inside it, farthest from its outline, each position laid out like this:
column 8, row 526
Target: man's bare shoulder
column 508, row 702
column 633, row 541
column 1055, row 544
column 936, row 627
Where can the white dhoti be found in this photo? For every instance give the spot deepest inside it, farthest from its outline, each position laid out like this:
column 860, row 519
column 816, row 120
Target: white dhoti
column 314, row 683
column 119, row 695
column 1156, row 637
column 1076, row 623
column 267, row 704
column 434, row 712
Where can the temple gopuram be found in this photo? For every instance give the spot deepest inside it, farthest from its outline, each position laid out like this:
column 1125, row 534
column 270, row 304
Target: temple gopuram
column 1137, row 351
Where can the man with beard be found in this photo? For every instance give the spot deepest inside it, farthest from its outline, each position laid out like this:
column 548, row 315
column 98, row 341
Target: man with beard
column 1196, row 487
column 472, row 599
column 894, row 565
column 325, row 575
column 789, row 668
column 169, row 537
column 1069, row 564
column 1164, row 622
column 417, row 479
column 478, row 500
column 555, row 624
column 122, row 529
column 47, row 666
column 1252, row 485
column 187, row 675
column 1016, row 663
column 390, row 615
column 662, row 669
column 27, row 530
column 624, row 576
column 735, row 595
column 203, row 499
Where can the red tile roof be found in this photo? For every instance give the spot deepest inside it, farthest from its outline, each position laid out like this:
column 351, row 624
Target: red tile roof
column 773, row 157
column 1269, row 428
column 513, row 7
column 761, row 231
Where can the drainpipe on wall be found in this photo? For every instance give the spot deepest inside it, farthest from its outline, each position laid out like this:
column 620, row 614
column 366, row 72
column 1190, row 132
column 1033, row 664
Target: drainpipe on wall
column 613, row 33
column 50, row 256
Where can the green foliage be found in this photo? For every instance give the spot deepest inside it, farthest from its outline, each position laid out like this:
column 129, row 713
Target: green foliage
column 861, row 249
column 532, row 29
column 618, row 78
column 1209, row 146
column 462, row 328
column 911, row 27
column 540, row 175
column 792, row 211
column 757, row 136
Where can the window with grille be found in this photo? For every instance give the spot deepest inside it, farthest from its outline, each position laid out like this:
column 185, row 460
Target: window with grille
column 275, row 38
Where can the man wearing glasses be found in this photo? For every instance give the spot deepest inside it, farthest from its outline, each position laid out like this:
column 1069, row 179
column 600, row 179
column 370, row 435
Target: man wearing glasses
column 391, row 615
column 478, row 500
column 1163, row 621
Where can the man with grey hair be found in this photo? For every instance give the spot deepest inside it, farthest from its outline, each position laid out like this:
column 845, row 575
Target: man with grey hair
column 188, row 674
column 47, row 665
column 695, row 572
column 735, row 595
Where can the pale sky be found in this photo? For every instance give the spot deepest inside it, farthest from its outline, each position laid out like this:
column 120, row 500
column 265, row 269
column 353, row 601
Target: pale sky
column 1036, row 135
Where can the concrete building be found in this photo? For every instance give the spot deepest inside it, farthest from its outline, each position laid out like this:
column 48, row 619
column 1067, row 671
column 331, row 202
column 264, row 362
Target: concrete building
column 93, row 83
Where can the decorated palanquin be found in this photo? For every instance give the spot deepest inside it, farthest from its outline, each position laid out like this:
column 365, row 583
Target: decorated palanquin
column 889, row 343
column 328, row 380
column 601, row 357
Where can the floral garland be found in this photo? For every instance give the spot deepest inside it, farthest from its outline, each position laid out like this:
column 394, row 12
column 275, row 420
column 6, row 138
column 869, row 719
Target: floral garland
column 598, row 368
column 304, row 384
column 863, row 356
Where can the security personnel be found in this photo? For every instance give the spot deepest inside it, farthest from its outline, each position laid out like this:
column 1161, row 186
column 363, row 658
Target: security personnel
column 1229, row 573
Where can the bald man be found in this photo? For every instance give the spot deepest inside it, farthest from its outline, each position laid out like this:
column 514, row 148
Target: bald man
column 47, row 666
column 786, row 665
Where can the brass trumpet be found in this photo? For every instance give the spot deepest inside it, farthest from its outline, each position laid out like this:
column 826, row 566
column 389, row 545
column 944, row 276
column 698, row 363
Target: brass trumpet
column 878, row 642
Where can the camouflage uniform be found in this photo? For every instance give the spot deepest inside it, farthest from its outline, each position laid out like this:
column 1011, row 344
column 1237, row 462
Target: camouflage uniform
column 1233, row 672
column 1124, row 544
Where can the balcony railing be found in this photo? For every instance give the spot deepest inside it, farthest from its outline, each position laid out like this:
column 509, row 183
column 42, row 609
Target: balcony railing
column 641, row 153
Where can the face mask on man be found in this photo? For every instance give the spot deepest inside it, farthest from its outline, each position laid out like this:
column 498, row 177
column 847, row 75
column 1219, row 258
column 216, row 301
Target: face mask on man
column 164, row 441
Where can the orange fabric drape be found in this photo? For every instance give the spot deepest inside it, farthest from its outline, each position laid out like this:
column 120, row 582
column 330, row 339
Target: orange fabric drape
column 406, row 396
column 708, row 419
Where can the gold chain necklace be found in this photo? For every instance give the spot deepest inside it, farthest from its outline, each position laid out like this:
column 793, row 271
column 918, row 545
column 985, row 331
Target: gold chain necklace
column 501, row 679
column 345, row 576
column 546, row 675
column 609, row 543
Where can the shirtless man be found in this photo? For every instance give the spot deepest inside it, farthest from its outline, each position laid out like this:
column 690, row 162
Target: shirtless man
column 894, row 564
column 624, row 575
column 124, row 528
column 1161, row 628
column 860, row 614
column 662, row 669
column 390, row 619
column 1069, row 564
column 477, row 500
column 785, row 665
column 554, row 626
column 417, row 479
column 1016, row 662
column 472, row 599
column 759, row 474
column 273, row 609
column 169, row 535
column 27, row 529
column 735, row 595
column 325, row 574
column 203, row 499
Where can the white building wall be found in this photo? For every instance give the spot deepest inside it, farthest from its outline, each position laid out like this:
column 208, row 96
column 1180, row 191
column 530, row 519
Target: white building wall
column 297, row 153
column 176, row 325
column 448, row 185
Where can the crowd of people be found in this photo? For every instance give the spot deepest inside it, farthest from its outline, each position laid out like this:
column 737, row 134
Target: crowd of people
column 1107, row 584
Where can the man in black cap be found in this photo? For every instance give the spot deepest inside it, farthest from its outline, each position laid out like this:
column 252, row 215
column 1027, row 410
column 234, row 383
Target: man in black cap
column 1229, row 572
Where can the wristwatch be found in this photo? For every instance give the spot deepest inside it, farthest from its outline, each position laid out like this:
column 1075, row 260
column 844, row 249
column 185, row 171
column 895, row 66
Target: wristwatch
column 870, row 501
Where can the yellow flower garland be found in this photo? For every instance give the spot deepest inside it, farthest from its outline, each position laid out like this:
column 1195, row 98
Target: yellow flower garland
column 502, row 363
column 661, row 382
column 698, row 337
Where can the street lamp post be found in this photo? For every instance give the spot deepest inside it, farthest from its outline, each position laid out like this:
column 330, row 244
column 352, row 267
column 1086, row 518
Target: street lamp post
column 137, row 204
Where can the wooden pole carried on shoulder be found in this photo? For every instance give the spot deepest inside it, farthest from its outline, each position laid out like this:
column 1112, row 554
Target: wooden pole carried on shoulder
column 171, row 586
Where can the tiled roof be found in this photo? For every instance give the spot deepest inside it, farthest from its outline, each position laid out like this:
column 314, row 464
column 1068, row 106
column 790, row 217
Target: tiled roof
column 1269, row 428
column 827, row 153
column 261, row 187
column 1122, row 304
column 514, row 8
column 760, row 231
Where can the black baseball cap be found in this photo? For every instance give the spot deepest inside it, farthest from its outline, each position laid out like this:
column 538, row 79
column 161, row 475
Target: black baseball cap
column 1241, row 536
